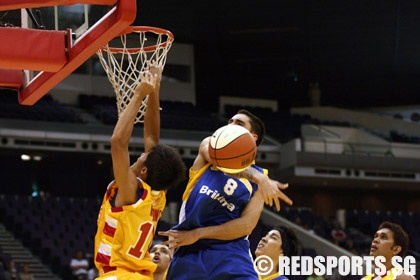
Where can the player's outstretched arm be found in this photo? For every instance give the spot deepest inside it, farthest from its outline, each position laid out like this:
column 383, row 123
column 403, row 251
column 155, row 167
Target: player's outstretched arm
column 124, row 176
column 203, row 156
column 231, row 230
column 151, row 122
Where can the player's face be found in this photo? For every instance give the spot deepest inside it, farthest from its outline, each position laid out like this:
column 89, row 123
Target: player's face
column 139, row 167
column 161, row 255
column 383, row 244
column 242, row 120
column 270, row 245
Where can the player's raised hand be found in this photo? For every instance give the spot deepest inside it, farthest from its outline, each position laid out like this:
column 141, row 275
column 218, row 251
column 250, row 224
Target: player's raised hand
column 156, row 70
column 147, row 83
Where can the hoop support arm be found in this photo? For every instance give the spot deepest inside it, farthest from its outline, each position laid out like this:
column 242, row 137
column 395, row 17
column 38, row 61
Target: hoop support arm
column 107, row 28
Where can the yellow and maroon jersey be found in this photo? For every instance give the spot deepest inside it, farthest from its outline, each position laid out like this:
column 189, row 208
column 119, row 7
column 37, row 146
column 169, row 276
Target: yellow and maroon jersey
column 390, row 275
column 275, row 276
column 125, row 233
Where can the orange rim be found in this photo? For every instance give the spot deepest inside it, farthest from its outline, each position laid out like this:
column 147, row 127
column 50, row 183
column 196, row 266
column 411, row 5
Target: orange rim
column 139, row 29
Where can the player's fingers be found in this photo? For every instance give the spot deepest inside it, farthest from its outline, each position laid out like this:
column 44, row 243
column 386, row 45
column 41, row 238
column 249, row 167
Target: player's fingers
column 175, row 244
column 164, row 233
column 282, row 186
column 167, row 243
column 266, row 200
column 286, row 199
column 172, row 243
column 172, row 246
column 270, row 201
column 169, row 233
column 277, row 202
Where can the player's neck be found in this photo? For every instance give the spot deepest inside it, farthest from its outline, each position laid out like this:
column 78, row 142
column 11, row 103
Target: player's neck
column 158, row 275
column 388, row 266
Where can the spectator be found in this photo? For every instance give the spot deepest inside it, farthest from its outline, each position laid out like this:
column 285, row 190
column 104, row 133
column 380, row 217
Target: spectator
column 25, row 274
column 92, row 271
column 11, row 273
column 309, row 229
column 79, row 266
column 338, row 235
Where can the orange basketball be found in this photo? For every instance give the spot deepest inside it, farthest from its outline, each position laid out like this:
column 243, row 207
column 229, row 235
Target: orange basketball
column 232, row 148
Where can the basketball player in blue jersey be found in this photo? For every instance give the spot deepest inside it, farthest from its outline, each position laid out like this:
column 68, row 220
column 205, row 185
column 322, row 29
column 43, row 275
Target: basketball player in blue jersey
column 134, row 201
column 210, row 200
column 271, row 189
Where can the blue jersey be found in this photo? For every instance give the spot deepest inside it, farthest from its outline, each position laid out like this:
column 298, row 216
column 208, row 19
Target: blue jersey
column 212, row 198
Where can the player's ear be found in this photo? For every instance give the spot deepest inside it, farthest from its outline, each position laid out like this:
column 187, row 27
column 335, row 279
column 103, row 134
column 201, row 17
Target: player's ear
column 396, row 249
column 143, row 172
column 281, row 254
column 255, row 136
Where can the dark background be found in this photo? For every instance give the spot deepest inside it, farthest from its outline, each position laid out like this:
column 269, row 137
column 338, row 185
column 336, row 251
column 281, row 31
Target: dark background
column 362, row 53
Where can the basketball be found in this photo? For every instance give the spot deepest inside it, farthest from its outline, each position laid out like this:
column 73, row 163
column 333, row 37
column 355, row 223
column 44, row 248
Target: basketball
column 232, row 149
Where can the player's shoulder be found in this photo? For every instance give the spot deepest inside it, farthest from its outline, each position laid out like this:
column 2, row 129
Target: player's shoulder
column 405, row 276
column 259, row 168
column 368, row 277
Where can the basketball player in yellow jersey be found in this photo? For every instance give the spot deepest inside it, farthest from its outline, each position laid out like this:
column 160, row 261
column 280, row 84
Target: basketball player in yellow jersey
column 161, row 256
column 390, row 240
column 279, row 241
column 134, row 201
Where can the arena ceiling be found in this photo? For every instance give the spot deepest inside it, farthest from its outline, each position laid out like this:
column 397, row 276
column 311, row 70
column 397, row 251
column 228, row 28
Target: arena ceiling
column 362, row 53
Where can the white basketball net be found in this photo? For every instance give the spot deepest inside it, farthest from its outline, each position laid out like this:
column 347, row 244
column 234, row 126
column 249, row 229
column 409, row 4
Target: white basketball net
column 124, row 64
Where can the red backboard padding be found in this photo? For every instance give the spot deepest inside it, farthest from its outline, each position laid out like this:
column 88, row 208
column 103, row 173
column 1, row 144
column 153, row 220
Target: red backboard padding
column 11, row 78
column 32, row 49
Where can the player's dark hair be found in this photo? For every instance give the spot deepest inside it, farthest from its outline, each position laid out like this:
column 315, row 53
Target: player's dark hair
column 165, row 167
column 257, row 125
column 400, row 236
column 290, row 243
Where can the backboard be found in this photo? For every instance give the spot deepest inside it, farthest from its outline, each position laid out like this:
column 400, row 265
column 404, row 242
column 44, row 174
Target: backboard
column 55, row 37
column 78, row 17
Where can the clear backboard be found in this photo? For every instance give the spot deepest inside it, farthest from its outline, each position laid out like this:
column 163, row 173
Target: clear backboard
column 78, row 17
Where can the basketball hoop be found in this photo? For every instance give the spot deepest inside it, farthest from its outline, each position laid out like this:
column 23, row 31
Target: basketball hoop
column 124, row 63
